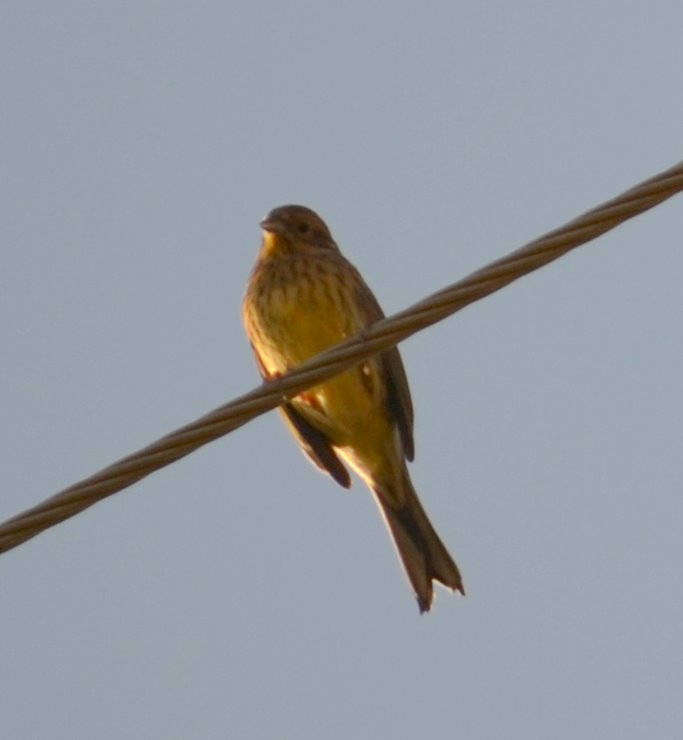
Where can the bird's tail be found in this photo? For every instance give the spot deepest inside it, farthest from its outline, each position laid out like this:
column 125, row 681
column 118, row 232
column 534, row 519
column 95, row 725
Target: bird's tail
column 424, row 557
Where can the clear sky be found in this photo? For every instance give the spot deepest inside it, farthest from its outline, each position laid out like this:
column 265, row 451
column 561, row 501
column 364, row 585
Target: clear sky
column 239, row 593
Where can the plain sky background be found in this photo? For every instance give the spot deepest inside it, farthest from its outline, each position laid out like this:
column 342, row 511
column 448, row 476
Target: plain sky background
column 239, row 593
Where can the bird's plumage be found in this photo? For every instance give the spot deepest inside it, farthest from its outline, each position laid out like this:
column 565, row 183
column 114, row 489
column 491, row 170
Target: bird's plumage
column 303, row 296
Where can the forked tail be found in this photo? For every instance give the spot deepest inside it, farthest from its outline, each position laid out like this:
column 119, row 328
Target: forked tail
column 423, row 554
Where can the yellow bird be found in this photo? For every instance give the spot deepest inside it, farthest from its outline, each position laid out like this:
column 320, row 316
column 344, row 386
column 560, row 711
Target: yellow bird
column 303, row 296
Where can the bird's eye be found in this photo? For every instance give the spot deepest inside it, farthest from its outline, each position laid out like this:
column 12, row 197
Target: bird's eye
column 302, row 227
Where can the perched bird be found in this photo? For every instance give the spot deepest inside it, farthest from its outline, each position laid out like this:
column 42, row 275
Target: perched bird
column 303, row 296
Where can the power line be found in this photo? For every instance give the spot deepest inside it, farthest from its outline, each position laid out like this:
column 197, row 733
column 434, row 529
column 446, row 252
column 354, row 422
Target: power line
column 379, row 336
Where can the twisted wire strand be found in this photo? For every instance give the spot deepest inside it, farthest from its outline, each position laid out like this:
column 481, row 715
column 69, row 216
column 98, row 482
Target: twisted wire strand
column 379, row 336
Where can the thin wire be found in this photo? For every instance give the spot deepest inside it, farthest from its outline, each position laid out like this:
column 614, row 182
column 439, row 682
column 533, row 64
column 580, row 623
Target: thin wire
column 379, row 336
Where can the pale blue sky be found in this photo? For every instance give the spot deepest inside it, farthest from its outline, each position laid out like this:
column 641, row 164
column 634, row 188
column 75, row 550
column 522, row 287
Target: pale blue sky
column 239, row 593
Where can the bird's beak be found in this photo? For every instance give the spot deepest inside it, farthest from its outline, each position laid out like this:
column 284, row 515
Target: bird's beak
column 271, row 225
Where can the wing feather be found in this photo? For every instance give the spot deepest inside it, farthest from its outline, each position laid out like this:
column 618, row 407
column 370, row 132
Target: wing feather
column 399, row 402
column 313, row 442
column 316, row 445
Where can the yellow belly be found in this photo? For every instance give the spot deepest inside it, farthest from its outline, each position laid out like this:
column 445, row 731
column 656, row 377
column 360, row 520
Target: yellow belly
column 349, row 408
column 299, row 317
column 295, row 324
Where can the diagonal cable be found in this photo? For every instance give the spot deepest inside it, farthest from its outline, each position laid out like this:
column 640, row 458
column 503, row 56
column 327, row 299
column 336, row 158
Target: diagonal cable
column 379, row 336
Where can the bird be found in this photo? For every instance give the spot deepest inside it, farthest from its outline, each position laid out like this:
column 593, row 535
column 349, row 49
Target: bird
column 302, row 297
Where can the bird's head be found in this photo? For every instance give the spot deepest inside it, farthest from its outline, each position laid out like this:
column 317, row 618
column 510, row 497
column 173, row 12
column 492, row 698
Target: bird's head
column 295, row 225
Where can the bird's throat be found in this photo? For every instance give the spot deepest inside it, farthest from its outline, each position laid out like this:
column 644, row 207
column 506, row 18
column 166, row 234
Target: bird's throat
column 274, row 244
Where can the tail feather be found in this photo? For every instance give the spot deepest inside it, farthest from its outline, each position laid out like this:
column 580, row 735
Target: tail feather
column 423, row 554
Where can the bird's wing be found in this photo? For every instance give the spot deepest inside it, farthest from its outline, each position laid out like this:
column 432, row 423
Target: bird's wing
column 316, row 445
column 399, row 402
column 312, row 441
column 398, row 399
